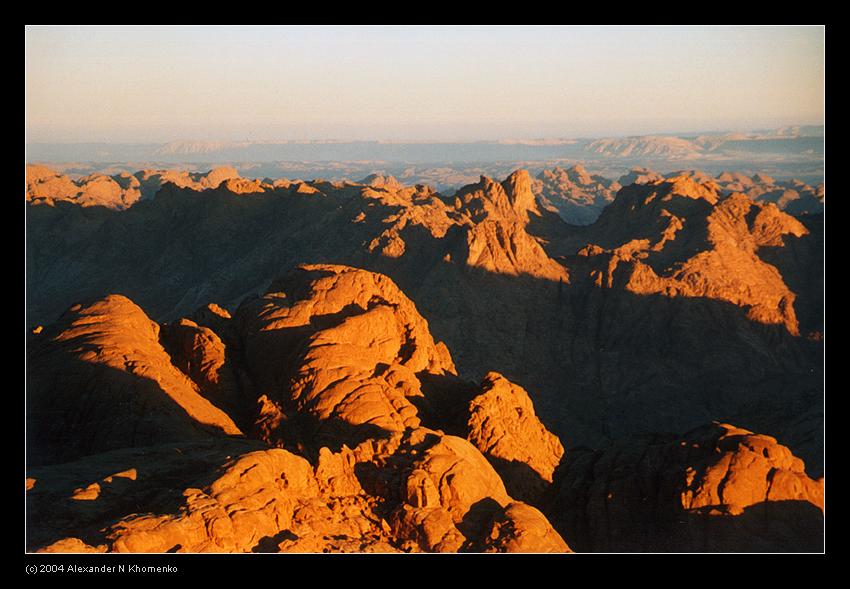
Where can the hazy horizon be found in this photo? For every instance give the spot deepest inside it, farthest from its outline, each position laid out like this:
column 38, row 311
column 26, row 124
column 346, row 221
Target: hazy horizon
column 415, row 84
column 472, row 140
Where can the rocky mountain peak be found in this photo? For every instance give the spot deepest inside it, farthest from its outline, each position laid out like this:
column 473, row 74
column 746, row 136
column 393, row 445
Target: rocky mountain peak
column 382, row 181
column 518, row 189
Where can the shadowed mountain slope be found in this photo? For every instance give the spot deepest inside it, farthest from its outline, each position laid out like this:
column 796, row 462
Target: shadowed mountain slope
column 718, row 488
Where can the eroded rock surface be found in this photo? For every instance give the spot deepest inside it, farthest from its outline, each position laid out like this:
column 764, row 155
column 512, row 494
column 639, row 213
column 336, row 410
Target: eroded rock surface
column 333, row 356
column 338, row 350
column 503, row 426
column 100, row 380
column 678, row 306
column 676, row 237
column 684, row 303
column 717, row 489
column 416, row 491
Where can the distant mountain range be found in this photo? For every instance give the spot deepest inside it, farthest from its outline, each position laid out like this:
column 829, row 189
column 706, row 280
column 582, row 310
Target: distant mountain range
column 575, row 194
column 788, row 142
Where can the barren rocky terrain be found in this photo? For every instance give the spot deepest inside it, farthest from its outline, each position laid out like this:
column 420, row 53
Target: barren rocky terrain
column 533, row 364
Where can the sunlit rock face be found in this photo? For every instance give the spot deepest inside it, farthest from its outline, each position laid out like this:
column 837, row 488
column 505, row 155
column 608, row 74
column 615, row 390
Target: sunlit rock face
column 121, row 191
column 333, row 365
column 503, row 425
column 717, row 489
column 413, row 492
column 100, row 380
column 676, row 237
column 44, row 186
column 341, row 347
column 496, row 216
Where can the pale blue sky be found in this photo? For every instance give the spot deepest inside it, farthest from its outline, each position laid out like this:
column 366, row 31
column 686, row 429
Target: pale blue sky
column 139, row 84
